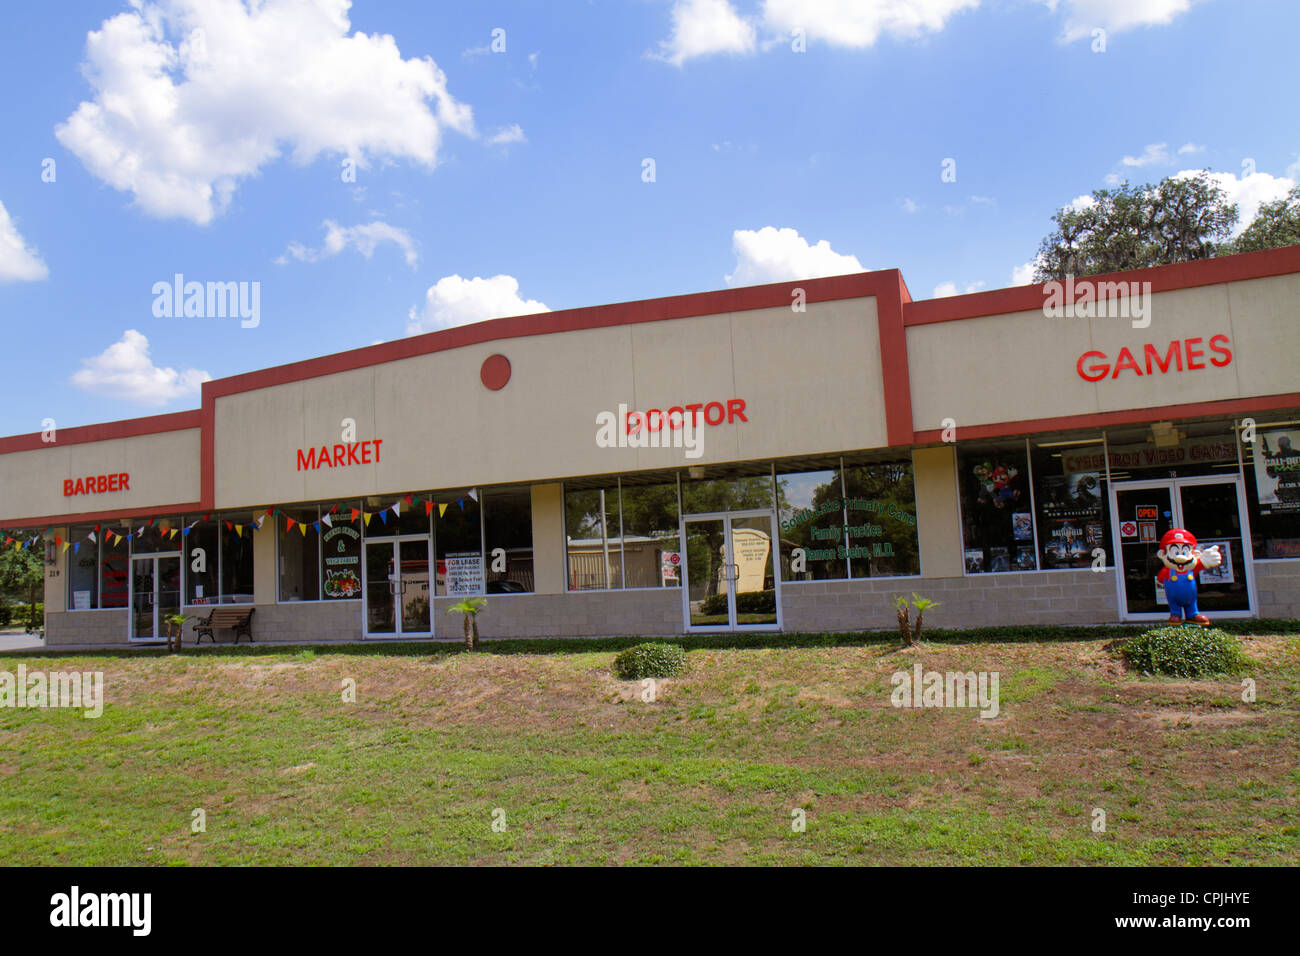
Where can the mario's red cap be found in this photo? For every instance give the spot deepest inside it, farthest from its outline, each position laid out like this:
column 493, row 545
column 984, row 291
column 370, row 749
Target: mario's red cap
column 1177, row 536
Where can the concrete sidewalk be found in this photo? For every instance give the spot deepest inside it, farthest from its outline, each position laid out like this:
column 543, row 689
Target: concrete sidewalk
column 12, row 639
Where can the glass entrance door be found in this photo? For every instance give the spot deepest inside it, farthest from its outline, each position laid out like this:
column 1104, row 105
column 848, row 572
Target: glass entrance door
column 731, row 580
column 155, row 595
column 1212, row 509
column 396, row 587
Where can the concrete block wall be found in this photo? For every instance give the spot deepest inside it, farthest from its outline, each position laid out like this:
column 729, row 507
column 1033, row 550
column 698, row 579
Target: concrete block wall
column 86, row 628
column 650, row 612
column 985, row 600
column 1278, row 587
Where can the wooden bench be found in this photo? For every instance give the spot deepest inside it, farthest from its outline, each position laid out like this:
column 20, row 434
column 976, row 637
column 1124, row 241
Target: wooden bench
column 237, row 618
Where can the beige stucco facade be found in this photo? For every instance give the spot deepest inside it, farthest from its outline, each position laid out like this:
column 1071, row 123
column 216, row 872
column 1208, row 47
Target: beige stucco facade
column 440, row 428
column 966, row 371
column 163, row 469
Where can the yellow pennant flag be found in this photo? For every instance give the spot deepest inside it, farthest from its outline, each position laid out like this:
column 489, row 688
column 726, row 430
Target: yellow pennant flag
column 66, row 546
column 172, row 534
column 366, row 515
column 442, row 510
column 303, row 528
column 239, row 530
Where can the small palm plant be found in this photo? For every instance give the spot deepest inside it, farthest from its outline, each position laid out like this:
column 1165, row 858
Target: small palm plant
column 922, row 605
column 470, row 608
column 175, row 630
column 912, row 636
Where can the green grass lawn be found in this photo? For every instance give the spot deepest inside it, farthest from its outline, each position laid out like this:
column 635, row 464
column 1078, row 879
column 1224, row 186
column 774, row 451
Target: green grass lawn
column 586, row 772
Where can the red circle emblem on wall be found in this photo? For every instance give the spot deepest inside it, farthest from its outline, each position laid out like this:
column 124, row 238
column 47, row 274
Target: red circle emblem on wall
column 495, row 372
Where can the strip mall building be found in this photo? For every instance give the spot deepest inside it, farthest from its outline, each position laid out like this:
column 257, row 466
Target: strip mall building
column 1013, row 454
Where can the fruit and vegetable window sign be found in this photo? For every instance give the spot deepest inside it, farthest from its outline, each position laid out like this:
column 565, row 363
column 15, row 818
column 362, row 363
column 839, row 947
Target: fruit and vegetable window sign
column 341, row 547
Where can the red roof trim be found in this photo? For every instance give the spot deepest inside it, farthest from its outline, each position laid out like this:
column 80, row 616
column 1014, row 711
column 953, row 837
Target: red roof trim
column 85, row 517
column 1181, row 275
column 107, row 431
column 1135, row 416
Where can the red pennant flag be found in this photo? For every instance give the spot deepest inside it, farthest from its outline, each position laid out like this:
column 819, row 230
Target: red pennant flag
column 269, row 512
column 334, row 510
column 229, row 526
column 407, row 499
column 289, row 526
column 428, row 507
column 355, row 512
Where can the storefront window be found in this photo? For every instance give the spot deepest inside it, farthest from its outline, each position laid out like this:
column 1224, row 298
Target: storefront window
column 1171, row 450
column 340, row 553
column 83, row 569
column 811, row 515
column 299, row 554
column 1271, row 454
column 411, row 518
column 458, row 537
column 592, row 540
column 1071, row 501
column 997, row 521
column 729, row 488
column 880, row 503
column 508, row 532
column 202, row 561
column 114, row 568
column 237, row 532
column 155, row 537
column 650, row 537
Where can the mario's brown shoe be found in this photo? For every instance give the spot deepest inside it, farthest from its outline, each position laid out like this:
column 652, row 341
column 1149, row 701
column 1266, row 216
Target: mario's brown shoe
column 1175, row 619
column 1202, row 620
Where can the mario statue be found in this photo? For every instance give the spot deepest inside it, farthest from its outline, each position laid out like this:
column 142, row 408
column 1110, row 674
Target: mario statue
column 1183, row 560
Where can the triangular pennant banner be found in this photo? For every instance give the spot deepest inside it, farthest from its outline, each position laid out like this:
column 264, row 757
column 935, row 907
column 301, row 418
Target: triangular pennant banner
column 442, row 509
column 303, row 528
column 428, row 507
column 472, row 495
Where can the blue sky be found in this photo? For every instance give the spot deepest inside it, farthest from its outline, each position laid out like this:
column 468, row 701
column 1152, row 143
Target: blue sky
column 197, row 137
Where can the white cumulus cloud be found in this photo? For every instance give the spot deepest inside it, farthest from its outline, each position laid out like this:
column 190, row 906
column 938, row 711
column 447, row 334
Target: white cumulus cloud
column 775, row 255
column 364, row 238
column 1247, row 192
column 453, row 300
column 859, row 23
column 944, row 289
column 18, row 261
column 1156, row 154
column 704, row 27
column 191, row 96
column 1114, row 16
column 124, row 370
column 1024, row 274
column 507, row 135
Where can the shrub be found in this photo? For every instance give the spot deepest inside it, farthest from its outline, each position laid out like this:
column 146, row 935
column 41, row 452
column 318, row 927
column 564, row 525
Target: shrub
column 6, row 615
column 747, row 602
column 1185, row 651
column 650, row 660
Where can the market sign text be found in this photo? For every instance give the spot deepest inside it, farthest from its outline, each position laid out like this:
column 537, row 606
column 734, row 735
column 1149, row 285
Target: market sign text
column 340, row 456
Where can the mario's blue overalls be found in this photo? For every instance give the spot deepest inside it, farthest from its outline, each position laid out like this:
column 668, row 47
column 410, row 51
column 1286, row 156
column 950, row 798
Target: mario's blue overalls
column 1180, row 589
